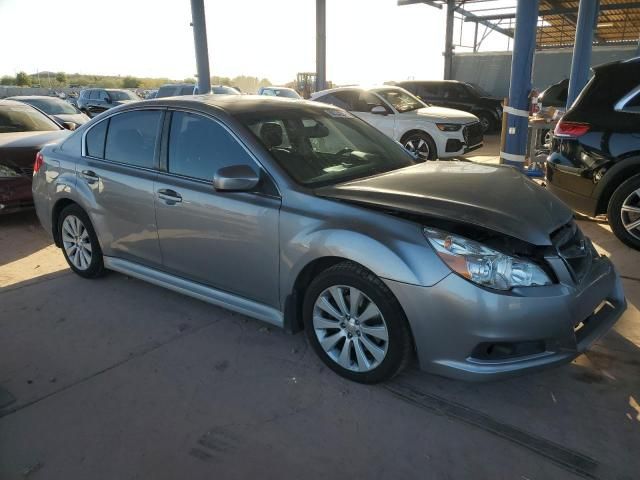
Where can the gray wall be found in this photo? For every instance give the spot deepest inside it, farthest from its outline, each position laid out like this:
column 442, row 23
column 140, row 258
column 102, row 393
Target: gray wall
column 491, row 70
column 14, row 91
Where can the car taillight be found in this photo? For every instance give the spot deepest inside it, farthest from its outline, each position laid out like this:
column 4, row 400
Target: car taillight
column 38, row 163
column 571, row 129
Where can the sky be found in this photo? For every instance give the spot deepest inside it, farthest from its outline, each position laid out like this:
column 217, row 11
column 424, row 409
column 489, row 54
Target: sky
column 368, row 41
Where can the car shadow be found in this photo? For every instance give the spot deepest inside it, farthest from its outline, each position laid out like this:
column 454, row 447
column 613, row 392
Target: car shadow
column 21, row 235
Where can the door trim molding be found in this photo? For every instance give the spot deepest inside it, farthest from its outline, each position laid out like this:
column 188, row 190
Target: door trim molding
column 197, row 290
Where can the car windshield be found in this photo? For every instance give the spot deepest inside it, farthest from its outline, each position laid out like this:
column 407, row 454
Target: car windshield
column 119, row 95
column 400, row 99
column 224, row 90
column 18, row 118
column 478, row 90
column 325, row 146
column 51, row 106
column 282, row 92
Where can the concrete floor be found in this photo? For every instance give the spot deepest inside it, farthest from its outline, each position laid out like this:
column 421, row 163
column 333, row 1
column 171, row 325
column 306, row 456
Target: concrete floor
column 118, row 379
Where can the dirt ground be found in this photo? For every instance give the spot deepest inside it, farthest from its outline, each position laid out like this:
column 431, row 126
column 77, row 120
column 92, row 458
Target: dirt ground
column 118, row 379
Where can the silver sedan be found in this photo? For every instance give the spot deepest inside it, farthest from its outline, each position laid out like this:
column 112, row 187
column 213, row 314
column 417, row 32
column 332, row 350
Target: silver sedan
column 308, row 218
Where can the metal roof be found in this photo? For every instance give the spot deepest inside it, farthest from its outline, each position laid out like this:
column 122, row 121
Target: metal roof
column 618, row 20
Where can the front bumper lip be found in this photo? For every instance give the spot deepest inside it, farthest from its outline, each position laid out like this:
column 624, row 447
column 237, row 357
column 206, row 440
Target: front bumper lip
column 449, row 319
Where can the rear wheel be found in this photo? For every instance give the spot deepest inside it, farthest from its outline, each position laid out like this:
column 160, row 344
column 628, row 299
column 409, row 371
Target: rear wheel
column 624, row 212
column 420, row 144
column 356, row 325
column 79, row 242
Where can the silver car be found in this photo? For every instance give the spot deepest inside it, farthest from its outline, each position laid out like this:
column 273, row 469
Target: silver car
column 303, row 216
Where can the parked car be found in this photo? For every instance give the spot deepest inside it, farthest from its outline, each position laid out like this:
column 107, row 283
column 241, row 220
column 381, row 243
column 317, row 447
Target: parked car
column 151, row 95
column 554, row 96
column 59, row 110
column 279, row 92
column 93, row 101
column 427, row 131
column 595, row 161
column 23, row 131
column 301, row 215
column 460, row 96
column 181, row 89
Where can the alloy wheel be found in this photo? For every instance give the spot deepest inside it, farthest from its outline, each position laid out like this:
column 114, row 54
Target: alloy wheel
column 630, row 214
column 76, row 242
column 350, row 328
column 418, row 146
column 484, row 121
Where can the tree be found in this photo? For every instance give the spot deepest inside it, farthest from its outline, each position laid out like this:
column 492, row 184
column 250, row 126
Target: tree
column 22, row 79
column 61, row 78
column 7, row 80
column 130, row 82
column 189, row 80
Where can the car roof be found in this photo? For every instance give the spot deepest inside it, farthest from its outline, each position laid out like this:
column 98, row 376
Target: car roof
column 33, row 97
column 355, row 87
column 631, row 63
column 233, row 104
column 14, row 103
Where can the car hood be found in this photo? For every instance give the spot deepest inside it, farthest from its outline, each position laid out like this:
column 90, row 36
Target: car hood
column 19, row 149
column 498, row 198
column 77, row 118
column 442, row 114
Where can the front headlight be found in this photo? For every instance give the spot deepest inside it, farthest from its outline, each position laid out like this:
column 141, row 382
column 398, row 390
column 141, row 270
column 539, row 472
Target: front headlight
column 483, row 265
column 449, row 127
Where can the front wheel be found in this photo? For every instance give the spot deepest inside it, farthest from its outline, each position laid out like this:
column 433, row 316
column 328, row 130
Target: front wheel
column 624, row 212
column 420, row 144
column 486, row 120
column 79, row 242
column 356, row 325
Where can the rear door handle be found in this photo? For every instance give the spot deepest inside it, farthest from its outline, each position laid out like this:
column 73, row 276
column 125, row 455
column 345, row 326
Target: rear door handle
column 171, row 197
column 90, row 176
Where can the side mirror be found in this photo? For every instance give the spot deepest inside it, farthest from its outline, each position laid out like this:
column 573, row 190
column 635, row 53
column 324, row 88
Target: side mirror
column 379, row 110
column 236, row 178
column 69, row 125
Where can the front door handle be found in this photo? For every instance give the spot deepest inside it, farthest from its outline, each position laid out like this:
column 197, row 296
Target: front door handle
column 171, row 197
column 90, row 176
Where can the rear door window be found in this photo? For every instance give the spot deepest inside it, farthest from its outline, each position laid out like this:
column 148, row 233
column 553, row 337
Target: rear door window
column 346, row 99
column 131, row 138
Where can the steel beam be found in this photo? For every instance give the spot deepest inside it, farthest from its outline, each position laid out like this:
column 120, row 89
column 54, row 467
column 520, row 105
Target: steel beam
column 448, row 40
column 581, row 61
column 524, row 45
column 402, row 3
column 470, row 17
column 560, row 11
column 321, row 45
column 198, row 22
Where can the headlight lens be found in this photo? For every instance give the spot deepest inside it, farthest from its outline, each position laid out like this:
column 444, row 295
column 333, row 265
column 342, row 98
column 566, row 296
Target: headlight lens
column 483, row 265
column 449, row 127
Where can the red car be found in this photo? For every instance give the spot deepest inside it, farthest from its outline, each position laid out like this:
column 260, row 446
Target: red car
column 24, row 130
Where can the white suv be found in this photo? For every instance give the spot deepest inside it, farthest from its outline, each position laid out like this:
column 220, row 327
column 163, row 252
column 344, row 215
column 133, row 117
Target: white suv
column 431, row 132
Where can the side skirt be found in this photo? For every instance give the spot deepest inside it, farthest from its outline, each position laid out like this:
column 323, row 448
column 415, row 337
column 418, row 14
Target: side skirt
column 197, row 290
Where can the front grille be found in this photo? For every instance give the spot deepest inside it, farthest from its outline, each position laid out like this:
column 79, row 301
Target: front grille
column 574, row 248
column 472, row 134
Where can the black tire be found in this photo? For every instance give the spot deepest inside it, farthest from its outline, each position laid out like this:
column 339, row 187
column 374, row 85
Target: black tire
column 412, row 140
column 400, row 345
column 614, row 211
column 96, row 266
column 487, row 122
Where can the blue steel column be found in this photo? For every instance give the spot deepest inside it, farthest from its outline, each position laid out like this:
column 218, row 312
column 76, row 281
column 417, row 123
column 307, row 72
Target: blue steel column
column 524, row 45
column 200, row 40
column 581, row 63
column 321, row 45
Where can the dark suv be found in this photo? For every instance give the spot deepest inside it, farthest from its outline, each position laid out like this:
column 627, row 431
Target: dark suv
column 93, row 101
column 594, row 164
column 461, row 96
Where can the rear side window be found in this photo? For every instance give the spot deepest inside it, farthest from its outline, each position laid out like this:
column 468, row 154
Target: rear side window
column 131, row 137
column 199, row 146
column 188, row 90
column 603, row 92
column 94, row 141
column 346, row 99
column 95, row 94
